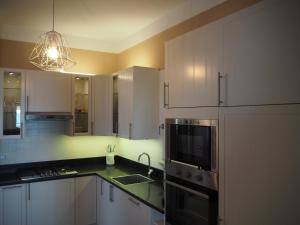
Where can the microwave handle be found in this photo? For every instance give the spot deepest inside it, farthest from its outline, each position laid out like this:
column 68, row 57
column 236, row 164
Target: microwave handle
column 188, row 190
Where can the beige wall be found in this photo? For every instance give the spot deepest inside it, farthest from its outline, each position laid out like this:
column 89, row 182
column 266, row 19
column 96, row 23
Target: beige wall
column 149, row 53
column 14, row 54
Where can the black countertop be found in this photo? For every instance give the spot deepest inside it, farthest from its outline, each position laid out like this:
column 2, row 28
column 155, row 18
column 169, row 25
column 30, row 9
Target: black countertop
column 150, row 193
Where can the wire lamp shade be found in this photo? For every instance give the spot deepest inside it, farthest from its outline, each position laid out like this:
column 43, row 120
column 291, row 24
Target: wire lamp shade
column 51, row 52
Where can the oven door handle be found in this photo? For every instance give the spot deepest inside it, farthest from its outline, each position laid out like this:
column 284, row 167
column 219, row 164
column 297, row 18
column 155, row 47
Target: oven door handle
column 188, row 190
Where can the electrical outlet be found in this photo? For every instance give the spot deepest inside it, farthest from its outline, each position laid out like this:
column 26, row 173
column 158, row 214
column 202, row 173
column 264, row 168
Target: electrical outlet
column 3, row 156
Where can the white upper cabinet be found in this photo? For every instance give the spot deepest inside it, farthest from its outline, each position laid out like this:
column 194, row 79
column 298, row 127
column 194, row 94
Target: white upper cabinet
column 102, row 105
column 193, row 62
column 13, row 205
column 48, row 92
column 138, row 99
column 261, row 55
column 12, row 99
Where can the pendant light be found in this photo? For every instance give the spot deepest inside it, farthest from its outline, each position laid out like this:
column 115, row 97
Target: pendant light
column 51, row 52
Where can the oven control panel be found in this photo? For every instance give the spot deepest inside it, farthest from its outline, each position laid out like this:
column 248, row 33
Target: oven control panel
column 194, row 175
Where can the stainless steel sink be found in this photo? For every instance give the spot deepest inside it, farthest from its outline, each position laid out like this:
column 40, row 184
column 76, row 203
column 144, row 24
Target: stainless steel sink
column 132, row 179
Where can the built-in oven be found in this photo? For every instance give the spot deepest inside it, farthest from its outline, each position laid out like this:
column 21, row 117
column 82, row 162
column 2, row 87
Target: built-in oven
column 190, row 204
column 192, row 150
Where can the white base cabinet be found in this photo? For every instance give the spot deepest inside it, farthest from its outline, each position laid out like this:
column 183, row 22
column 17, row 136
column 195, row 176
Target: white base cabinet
column 86, row 202
column 259, row 165
column 13, row 205
column 118, row 208
column 51, row 202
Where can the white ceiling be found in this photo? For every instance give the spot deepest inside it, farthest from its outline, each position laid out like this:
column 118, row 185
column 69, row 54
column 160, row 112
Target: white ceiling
column 102, row 25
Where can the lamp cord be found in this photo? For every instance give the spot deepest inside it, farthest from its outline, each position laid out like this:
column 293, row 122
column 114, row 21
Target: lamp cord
column 53, row 11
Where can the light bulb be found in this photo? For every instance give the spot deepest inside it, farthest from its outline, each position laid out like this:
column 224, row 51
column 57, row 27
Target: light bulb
column 52, row 53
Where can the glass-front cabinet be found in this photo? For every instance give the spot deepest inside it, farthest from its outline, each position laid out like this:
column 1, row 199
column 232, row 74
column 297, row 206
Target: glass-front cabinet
column 12, row 103
column 82, row 106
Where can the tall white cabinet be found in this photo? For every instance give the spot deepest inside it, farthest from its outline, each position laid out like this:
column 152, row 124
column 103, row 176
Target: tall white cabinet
column 13, row 205
column 259, row 165
column 193, row 62
column 51, row 202
column 138, row 92
column 261, row 52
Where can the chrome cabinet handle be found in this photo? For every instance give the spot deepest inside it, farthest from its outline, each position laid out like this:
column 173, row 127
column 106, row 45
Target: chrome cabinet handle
column 92, row 128
column 130, row 130
column 29, row 192
column 21, row 130
column 220, row 102
column 134, row 201
column 101, row 187
column 166, row 105
column 111, row 193
column 27, row 103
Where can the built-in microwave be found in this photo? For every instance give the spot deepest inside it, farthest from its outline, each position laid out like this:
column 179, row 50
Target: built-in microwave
column 192, row 150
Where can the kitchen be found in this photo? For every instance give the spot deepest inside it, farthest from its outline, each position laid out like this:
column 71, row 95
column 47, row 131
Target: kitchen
column 191, row 116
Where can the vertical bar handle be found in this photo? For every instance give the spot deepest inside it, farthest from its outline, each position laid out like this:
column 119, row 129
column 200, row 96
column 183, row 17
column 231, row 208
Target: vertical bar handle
column 166, row 105
column 220, row 102
column 111, row 193
column 29, row 192
column 101, row 187
column 22, row 130
column 92, row 128
column 130, row 130
column 73, row 127
column 27, row 103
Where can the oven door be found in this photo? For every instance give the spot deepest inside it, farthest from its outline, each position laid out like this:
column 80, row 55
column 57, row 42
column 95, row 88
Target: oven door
column 192, row 144
column 187, row 206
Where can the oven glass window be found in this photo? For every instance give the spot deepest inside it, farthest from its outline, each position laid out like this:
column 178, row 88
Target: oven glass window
column 186, row 208
column 191, row 144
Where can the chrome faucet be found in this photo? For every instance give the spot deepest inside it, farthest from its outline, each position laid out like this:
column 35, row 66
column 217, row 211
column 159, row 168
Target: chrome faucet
column 149, row 162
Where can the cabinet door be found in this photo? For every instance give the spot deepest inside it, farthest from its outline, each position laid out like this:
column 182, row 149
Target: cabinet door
column 125, row 89
column 12, row 205
column 102, row 104
column 12, row 86
column 259, row 166
column 106, row 215
column 86, row 203
column 48, row 92
column 82, row 103
column 193, row 61
column 261, row 52
column 51, row 202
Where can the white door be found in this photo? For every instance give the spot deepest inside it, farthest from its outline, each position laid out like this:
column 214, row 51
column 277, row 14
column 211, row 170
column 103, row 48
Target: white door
column 125, row 103
column 106, row 214
column 259, row 165
column 12, row 205
column 86, row 202
column 193, row 62
column 48, row 92
column 51, row 202
column 261, row 54
column 102, row 104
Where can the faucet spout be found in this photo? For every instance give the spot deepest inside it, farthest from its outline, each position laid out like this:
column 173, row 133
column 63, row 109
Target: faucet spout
column 149, row 162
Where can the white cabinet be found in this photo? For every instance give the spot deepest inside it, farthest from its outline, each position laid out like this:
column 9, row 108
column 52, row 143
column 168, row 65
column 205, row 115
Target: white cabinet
column 138, row 91
column 48, row 92
column 193, row 62
column 51, row 202
column 12, row 96
column 13, row 205
column 102, row 105
column 259, row 165
column 118, row 208
column 106, row 215
column 85, row 199
column 261, row 55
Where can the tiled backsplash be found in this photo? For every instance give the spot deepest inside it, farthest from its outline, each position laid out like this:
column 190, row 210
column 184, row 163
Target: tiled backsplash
column 47, row 140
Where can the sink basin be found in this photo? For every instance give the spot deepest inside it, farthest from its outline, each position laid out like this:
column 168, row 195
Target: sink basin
column 132, row 179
